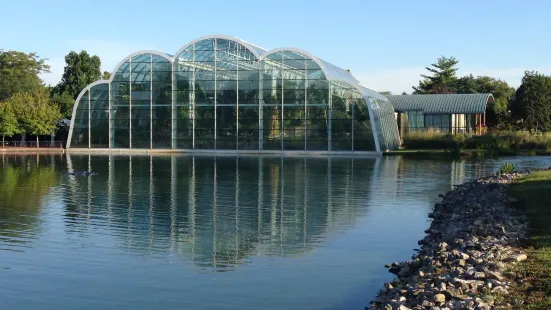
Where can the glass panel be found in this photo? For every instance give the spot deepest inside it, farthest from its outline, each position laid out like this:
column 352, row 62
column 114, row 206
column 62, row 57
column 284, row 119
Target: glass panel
column 99, row 112
column 120, row 125
column 226, row 127
column 161, row 117
column 204, row 127
column 293, row 128
column 80, row 123
column 248, row 128
column 140, row 127
column 316, row 128
column 272, row 127
column 341, row 130
column 363, row 133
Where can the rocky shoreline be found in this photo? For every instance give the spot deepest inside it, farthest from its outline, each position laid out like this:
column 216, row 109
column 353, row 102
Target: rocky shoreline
column 464, row 259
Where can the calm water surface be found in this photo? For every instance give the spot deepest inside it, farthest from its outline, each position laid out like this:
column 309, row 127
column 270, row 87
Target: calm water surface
column 186, row 232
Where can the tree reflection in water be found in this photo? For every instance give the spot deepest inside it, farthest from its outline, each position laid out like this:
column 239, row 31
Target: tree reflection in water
column 24, row 181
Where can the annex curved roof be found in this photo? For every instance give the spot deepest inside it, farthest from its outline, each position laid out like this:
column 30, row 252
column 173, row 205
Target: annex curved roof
column 442, row 103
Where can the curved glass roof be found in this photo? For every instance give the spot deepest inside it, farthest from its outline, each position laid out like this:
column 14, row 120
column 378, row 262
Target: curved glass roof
column 331, row 71
column 337, row 73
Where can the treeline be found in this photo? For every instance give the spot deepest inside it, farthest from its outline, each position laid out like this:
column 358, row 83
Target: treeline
column 27, row 105
column 526, row 108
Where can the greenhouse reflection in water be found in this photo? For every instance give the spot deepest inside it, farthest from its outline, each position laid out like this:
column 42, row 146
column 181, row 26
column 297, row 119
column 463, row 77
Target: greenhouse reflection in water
column 218, row 211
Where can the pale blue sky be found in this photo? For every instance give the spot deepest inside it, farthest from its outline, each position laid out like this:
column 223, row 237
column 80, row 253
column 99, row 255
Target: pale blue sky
column 386, row 44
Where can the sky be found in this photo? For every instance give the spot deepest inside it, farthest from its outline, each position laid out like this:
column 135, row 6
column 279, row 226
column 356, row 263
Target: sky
column 386, row 44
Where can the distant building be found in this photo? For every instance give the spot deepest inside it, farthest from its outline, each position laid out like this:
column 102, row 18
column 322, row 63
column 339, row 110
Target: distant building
column 450, row 113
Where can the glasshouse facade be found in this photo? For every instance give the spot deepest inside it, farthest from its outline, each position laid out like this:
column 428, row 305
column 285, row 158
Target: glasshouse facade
column 222, row 93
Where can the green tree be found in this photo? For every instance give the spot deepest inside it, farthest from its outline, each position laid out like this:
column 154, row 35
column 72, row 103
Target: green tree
column 19, row 72
column 64, row 103
column 443, row 78
column 531, row 107
column 386, row 93
column 106, row 75
column 80, row 70
column 497, row 114
column 8, row 121
column 35, row 113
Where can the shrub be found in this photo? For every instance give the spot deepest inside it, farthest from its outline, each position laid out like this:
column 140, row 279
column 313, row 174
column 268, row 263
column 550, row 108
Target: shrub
column 429, row 139
column 507, row 168
column 498, row 142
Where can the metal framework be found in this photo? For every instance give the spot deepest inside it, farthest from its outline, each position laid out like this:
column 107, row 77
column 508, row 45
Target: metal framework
column 339, row 81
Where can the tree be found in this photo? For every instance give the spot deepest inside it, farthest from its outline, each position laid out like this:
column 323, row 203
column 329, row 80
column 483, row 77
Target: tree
column 106, row 75
column 81, row 69
column 8, row 121
column 497, row 114
column 442, row 80
column 64, row 103
column 532, row 104
column 385, row 93
column 35, row 113
column 19, row 72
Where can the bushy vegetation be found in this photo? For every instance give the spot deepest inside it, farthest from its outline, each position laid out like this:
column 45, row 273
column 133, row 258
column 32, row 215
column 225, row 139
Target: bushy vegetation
column 507, row 168
column 499, row 142
column 27, row 106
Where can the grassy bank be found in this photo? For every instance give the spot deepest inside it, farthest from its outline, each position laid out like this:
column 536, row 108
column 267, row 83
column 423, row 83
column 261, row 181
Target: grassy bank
column 532, row 192
column 494, row 143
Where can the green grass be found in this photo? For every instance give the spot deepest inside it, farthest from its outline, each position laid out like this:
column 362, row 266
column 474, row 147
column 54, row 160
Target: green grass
column 491, row 143
column 533, row 192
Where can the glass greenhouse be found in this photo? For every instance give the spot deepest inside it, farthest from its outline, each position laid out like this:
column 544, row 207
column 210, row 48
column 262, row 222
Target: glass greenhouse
column 222, row 93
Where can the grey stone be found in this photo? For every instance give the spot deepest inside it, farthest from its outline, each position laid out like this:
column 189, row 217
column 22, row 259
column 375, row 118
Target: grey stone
column 440, row 298
column 479, row 275
column 495, row 276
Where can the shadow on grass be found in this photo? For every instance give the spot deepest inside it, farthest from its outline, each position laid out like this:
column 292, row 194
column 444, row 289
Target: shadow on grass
column 534, row 195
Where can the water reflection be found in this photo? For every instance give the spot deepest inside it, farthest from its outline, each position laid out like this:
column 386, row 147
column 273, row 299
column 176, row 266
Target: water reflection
column 300, row 233
column 24, row 181
column 218, row 211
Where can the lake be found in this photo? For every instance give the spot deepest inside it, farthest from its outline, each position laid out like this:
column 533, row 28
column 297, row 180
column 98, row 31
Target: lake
column 199, row 232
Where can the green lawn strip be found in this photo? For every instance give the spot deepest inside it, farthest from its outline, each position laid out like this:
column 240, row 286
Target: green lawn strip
column 534, row 195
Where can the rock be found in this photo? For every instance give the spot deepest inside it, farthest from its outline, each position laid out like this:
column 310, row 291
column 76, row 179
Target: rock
column 479, row 275
column 440, row 299
column 517, row 258
column 394, row 269
column 427, row 304
column 495, row 276
column 500, row 290
column 472, row 239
